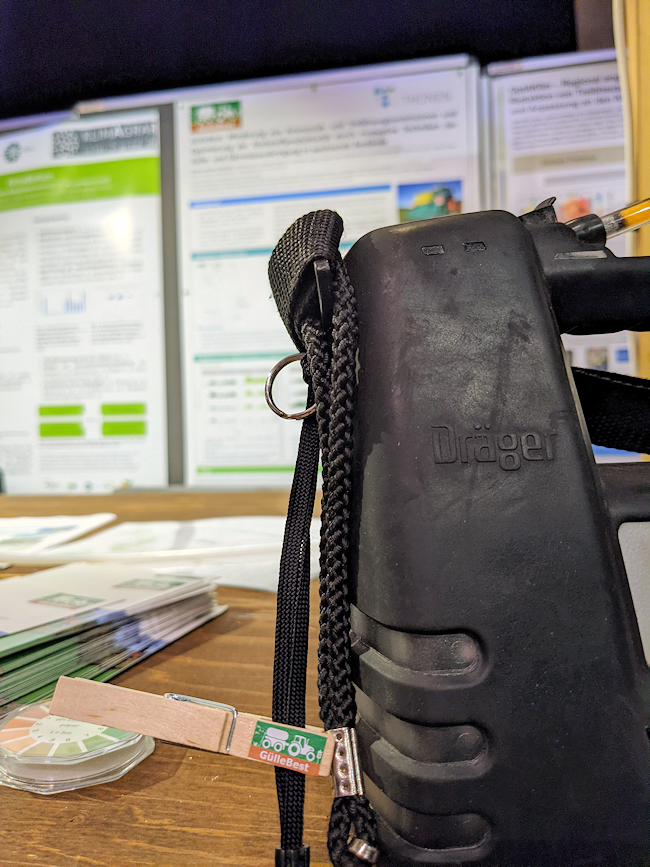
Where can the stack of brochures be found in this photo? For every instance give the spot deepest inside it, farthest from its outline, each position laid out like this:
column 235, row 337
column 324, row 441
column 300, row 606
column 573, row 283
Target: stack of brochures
column 90, row 620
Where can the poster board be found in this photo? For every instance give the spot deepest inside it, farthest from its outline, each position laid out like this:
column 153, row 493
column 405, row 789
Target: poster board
column 82, row 402
column 380, row 145
column 557, row 130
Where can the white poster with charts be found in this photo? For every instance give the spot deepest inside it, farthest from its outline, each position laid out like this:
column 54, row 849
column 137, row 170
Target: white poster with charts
column 82, row 372
column 380, row 145
column 557, row 130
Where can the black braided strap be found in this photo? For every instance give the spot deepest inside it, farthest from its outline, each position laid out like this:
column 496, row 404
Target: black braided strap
column 314, row 236
column 330, row 362
column 333, row 376
column 291, row 633
column 616, row 409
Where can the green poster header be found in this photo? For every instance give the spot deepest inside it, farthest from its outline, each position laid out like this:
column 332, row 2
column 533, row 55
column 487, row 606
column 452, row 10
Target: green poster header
column 81, row 183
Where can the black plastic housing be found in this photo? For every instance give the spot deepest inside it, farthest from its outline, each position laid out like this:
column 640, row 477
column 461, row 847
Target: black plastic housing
column 502, row 689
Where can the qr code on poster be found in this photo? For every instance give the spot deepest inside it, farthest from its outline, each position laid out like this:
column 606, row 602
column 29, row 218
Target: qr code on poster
column 65, row 143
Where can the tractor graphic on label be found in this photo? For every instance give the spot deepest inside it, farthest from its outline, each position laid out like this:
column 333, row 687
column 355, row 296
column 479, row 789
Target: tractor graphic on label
column 278, row 740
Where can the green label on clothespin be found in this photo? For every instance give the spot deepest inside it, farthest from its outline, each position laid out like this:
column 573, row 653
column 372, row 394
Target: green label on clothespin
column 295, row 749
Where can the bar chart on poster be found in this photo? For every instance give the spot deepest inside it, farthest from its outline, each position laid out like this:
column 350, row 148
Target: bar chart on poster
column 379, row 146
column 82, row 395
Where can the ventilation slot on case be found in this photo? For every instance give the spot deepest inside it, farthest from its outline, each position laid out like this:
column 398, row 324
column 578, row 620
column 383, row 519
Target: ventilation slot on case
column 462, row 831
column 446, row 653
column 431, row 744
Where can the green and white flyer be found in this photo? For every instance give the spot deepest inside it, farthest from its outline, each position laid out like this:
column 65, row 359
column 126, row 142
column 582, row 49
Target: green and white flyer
column 82, row 393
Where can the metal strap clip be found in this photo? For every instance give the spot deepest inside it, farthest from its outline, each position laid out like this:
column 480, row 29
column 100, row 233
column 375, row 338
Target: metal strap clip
column 346, row 770
column 176, row 697
column 297, row 356
column 364, row 851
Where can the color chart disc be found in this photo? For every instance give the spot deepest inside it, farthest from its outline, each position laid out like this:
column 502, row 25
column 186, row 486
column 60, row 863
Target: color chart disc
column 47, row 754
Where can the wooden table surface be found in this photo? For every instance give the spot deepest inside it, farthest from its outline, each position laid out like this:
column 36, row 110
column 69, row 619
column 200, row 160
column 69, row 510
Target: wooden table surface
column 180, row 806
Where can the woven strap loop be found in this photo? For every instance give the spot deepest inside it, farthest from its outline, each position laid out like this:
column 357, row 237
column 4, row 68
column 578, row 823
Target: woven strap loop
column 314, row 236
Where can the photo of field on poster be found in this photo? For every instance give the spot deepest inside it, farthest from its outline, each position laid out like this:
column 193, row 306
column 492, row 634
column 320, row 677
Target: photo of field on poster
column 431, row 199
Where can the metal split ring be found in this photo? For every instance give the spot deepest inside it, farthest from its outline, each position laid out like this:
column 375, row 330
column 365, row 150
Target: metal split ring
column 269, row 385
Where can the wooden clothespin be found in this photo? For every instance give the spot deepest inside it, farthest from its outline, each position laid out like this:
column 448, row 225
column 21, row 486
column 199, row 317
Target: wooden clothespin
column 196, row 723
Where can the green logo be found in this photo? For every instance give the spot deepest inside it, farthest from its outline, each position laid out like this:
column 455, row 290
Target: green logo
column 12, row 152
column 296, row 749
column 67, row 600
column 216, row 116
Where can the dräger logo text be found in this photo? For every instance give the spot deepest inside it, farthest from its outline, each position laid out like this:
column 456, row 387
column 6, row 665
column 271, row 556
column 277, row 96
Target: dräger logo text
column 507, row 449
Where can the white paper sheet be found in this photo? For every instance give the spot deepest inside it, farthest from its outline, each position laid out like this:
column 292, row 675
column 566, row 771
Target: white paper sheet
column 256, row 572
column 36, row 534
